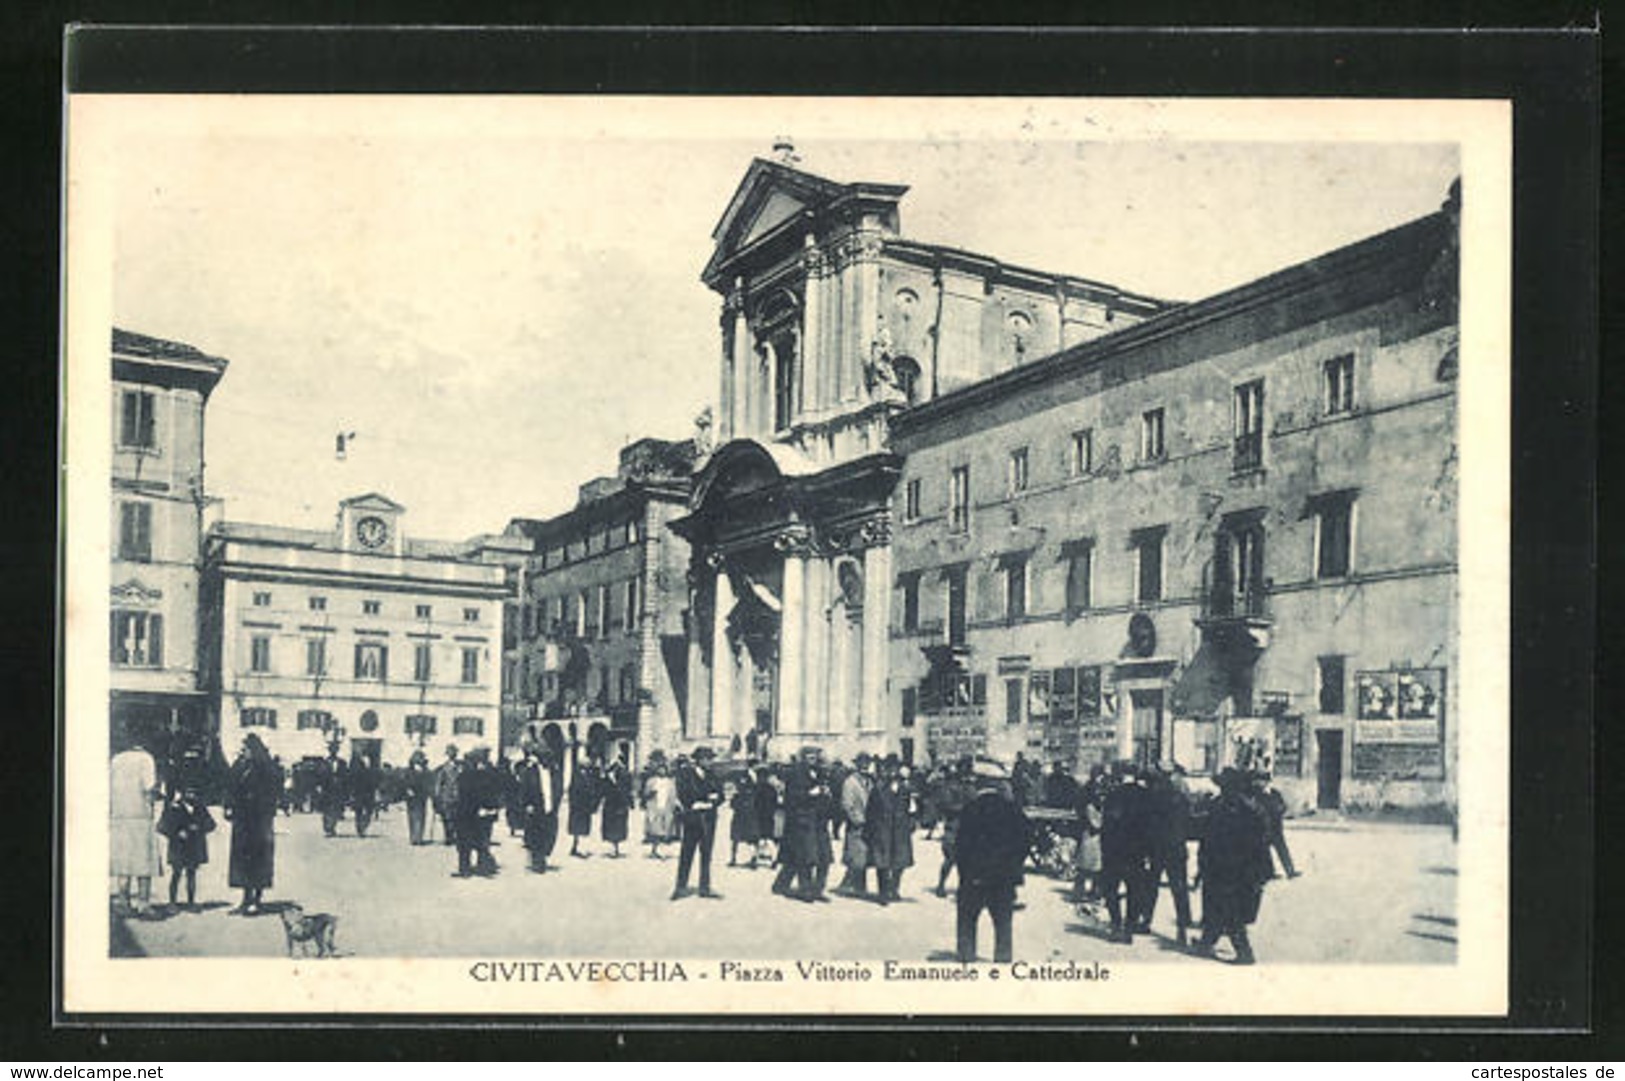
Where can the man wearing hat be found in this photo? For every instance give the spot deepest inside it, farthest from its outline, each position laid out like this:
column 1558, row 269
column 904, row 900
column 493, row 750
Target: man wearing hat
column 991, row 849
column 855, row 792
column 1125, row 850
column 699, row 794
column 1234, row 862
column 805, row 856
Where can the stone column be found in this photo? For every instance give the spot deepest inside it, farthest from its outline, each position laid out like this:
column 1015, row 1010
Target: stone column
column 811, row 321
column 743, row 358
column 722, row 663
column 792, row 643
column 815, row 643
column 876, row 620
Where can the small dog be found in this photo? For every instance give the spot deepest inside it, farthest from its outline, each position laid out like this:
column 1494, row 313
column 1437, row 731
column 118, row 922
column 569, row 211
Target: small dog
column 305, row 931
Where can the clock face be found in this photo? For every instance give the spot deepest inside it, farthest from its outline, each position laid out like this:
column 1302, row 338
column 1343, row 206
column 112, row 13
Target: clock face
column 372, row 532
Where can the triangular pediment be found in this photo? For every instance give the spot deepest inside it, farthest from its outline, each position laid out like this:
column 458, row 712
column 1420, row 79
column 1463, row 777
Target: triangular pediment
column 769, row 195
column 136, row 592
column 372, row 501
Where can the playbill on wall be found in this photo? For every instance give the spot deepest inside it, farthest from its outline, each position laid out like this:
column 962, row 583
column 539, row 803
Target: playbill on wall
column 649, row 555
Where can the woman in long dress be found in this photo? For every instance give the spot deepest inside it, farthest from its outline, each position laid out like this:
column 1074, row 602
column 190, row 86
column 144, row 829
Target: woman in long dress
column 584, row 796
column 251, row 805
column 134, row 842
column 616, row 786
column 659, row 809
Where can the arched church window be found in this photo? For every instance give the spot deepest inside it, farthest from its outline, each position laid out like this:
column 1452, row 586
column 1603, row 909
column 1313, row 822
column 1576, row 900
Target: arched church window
column 908, row 378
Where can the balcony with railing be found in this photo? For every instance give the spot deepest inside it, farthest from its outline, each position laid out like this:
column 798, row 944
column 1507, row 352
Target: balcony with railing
column 1225, row 601
column 1249, row 452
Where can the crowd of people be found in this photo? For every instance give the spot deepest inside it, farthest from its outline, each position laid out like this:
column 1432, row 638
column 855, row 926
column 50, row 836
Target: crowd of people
column 1125, row 830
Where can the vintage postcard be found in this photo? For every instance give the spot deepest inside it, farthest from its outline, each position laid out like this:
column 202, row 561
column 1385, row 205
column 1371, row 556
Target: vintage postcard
column 586, row 555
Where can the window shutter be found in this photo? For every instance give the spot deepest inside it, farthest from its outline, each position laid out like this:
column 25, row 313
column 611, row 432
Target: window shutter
column 114, row 645
column 358, row 655
column 383, row 663
column 155, row 640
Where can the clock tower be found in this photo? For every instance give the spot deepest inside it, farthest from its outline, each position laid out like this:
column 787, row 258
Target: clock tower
column 370, row 524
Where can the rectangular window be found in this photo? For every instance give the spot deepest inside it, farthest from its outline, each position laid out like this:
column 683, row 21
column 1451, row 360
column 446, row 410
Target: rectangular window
column 911, row 700
column 629, row 683
column 1152, row 447
column 471, row 615
column 135, row 532
column 1015, row 586
column 1331, row 684
column 420, row 724
column 257, row 717
column 371, row 661
column 1337, row 376
column 425, row 611
column 1081, row 460
column 1013, row 697
column 1334, row 535
column 959, row 499
column 468, row 726
column 371, row 608
column 909, row 583
column 471, row 665
column 422, row 662
column 262, row 600
column 955, row 580
column 259, row 653
column 911, row 501
column 1147, row 545
column 783, row 350
column 318, row 719
column 136, row 428
column 137, row 639
column 634, row 616
column 315, row 656
column 318, row 604
column 1248, row 415
column 603, row 611
column 1080, row 572
column 580, row 628
column 1017, row 472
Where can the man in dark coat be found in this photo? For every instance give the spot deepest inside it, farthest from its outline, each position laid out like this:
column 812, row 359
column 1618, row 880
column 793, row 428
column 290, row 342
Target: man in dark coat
column 363, row 792
column 479, row 801
column 806, row 854
column 1274, row 805
column 1234, row 862
column 1125, row 849
column 1169, row 827
column 333, row 789
column 251, row 805
column 615, row 786
column 539, row 797
column 889, row 828
column 956, row 791
column 991, row 850
column 699, row 794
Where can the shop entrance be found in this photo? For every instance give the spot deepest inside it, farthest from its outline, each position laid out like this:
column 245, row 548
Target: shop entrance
column 1147, row 727
column 1329, row 775
column 370, row 749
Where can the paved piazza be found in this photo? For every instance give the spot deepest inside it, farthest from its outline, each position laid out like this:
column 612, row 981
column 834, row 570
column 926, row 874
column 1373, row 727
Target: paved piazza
column 1370, row 892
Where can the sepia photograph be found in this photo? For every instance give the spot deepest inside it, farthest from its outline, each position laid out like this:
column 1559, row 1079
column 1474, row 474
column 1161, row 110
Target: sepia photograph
column 610, row 555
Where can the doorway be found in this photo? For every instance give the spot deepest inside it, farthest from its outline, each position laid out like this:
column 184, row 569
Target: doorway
column 1329, row 774
column 370, row 749
column 1147, row 707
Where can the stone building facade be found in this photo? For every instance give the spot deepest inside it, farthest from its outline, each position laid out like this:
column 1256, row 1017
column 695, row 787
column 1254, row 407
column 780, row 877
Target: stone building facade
column 600, row 662
column 832, row 325
column 160, row 393
column 1224, row 536
column 358, row 634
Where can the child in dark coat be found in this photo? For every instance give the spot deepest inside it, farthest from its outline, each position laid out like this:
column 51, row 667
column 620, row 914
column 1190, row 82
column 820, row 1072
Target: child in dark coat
column 187, row 823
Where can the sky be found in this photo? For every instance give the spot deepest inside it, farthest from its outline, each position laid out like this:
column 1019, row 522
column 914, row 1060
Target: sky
column 495, row 299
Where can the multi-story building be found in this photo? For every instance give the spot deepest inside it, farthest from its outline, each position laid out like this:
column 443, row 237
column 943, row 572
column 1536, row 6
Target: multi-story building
column 1225, row 535
column 160, row 391
column 832, row 324
column 601, row 663
column 958, row 506
column 358, row 634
